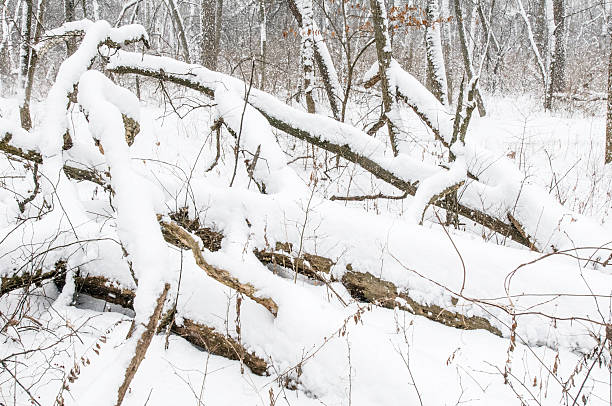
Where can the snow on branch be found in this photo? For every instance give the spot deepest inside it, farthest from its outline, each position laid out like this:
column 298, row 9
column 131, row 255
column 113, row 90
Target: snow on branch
column 352, row 144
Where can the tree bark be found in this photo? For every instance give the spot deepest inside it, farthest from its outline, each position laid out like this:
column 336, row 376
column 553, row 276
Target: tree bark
column 557, row 65
column 608, row 153
column 69, row 13
column 24, row 109
column 180, row 28
column 307, row 33
column 436, row 70
column 324, row 63
column 143, row 345
column 210, row 27
column 467, row 56
column 383, row 52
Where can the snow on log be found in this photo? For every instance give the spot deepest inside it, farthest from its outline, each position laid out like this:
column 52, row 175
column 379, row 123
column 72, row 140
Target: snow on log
column 339, row 138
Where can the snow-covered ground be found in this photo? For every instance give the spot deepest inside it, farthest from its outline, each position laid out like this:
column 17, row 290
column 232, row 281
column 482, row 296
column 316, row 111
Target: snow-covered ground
column 332, row 353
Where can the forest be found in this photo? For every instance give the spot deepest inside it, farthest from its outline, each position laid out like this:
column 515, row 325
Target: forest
column 305, row 202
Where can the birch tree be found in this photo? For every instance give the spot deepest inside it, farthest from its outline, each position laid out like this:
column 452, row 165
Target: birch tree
column 307, row 33
column 436, row 69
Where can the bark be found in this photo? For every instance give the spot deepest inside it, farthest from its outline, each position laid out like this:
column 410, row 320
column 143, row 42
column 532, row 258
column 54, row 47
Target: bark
column 262, row 42
column 194, row 332
column 143, row 345
column 557, row 65
column 383, row 53
column 34, row 156
column 69, row 13
column 26, row 41
column 180, row 28
column 324, row 63
column 608, row 152
column 436, row 69
column 467, row 56
column 220, row 275
column 24, row 109
column 367, row 288
column 210, row 25
column 307, row 34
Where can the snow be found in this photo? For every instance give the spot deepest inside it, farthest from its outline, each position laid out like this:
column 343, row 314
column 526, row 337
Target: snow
column 334, row 354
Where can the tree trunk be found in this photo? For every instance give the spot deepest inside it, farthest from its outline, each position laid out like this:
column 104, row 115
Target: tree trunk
column 210, row 26
column 262, row 42
column 69, row 13
column 307, row 33
column 608, row 153
column 383, row 52
column 24, row 109
column 467, row 56
column 180, row 28
column 436, row 70
column 557, row 72
column 24, row 61
column 324, row 63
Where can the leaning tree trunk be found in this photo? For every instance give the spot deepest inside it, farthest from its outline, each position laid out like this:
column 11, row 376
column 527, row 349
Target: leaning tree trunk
column 436, row 70
column 608, row 153
column 210, row 27
column 383, row 52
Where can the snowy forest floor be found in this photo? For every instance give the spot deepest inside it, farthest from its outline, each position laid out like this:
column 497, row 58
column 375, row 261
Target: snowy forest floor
column 324, row 347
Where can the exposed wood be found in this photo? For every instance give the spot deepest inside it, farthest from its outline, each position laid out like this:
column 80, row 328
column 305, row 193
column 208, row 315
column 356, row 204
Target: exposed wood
column 383, row 52
column 219, row 275
column 143, row 345
column 370, row 289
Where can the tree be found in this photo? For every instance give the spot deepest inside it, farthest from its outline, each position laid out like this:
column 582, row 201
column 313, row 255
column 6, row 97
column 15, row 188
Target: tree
column 436, row 70
column 211, row 12
column 383, row 52
column 556, row 79
column 608, row 148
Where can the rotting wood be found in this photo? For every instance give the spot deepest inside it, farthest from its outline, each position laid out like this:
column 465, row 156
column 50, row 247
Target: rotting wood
column 219, row 344
column 194, row 332
column 220, row 275
column 367, row 288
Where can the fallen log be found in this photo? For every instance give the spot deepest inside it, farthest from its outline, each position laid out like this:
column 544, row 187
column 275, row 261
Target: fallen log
column 202, row 80
column 365, row 287
column 220, row 275
column 194, row 332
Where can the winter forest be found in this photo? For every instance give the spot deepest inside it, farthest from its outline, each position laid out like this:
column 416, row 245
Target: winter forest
column 305, row 202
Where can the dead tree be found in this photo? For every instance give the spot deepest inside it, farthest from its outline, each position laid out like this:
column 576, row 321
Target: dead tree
column 211, row 12
column 383, row 52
